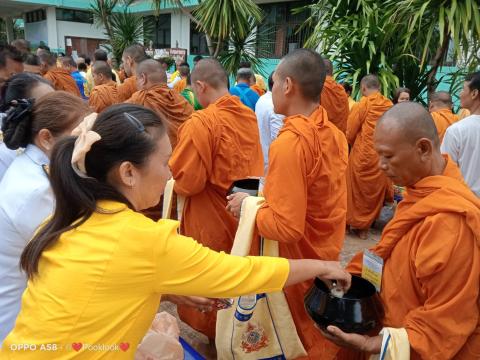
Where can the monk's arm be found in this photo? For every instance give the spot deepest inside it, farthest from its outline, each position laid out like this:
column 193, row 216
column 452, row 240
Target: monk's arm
column 447, row 264
column 189, row 162
column 354, row 122
column 282, row 217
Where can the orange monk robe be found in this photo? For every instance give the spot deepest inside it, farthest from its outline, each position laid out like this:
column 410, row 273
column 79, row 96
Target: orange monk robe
column 180, row 85
column 216, row 146
column 443, row 118
column 257, row 89
column 168, row 103
column 306, row 204
column 463, row 113
column 126, row 90
column 62, row 80
column 351, row 103
column 431, row 269
column 367, row 185
column 335, row 100
column 102, row 96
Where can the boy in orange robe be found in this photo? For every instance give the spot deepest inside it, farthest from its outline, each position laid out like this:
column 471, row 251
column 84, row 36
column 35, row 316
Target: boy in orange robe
column 334, row 99
column 216, row 146
column 440, row 108
column 305, row 188
column 104, row 93
column 157, row 96
column 131, row 57
column 60, row 78
column 368, row 187
column 431, row 248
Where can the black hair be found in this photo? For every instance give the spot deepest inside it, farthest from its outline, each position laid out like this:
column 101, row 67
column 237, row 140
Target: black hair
column 473, row 80
column 128, row 133
column 88, row 61
column 9, row 52
column 100, row 55
column 82, row 67
column 31, row 59
column 244, row 64
column 18, row 87
column 398, row 92
column 270, row 81
column 197, row 58
column 347, row 87
column 56, row 112
column 44, row 47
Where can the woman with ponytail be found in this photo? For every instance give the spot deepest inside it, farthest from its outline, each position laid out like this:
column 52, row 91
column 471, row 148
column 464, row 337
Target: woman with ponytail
column 98, row 267
column 25, row 193
column 19, row 86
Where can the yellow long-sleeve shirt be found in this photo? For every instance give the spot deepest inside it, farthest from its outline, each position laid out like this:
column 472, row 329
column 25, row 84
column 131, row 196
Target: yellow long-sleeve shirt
column 99, row 286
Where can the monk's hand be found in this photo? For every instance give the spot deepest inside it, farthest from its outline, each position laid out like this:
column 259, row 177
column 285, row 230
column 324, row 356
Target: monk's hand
column 201, row 303
column 370, row 344
column 235, row 201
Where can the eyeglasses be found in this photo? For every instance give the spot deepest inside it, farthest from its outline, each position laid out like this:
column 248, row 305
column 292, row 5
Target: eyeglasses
column 135, row 122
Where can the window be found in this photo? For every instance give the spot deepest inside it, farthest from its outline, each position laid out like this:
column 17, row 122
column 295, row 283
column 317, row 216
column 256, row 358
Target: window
column 283, row 28
column 74, row 15
column 198, row 41
column 162, row 30
column 35, row 16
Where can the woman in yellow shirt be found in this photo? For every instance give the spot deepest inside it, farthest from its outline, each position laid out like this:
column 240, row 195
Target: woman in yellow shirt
column 98, row 268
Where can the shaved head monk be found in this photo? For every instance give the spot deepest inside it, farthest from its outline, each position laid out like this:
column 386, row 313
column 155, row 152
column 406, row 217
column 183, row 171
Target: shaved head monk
column 105, row 91
column 441, row 110
column 131, row 57
column 216, row 146
column 156, row 95
column 430, row 249
column 59, row 77
column 305, row 188
column 368, row 187
column 334, row 99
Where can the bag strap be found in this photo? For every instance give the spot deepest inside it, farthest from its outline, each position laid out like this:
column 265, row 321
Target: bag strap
column 168, row 199
column 246, row 225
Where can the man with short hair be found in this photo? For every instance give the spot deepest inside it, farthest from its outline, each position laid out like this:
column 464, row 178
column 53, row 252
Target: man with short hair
column 196, row 59
column 60, row 78
column 334, row 99
column 154, row 94
column 368, row 187
column 70, row 65
column 131, row 57
column 462, row 139
column 216, row 146
column 305, row 187
column 430, row 250
column 242, row 89
column 10, row 62
column 440, row 108
column 105, row 90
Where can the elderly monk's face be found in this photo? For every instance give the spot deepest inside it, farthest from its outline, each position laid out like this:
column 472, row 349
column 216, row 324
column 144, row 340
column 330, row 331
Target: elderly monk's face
column 400, row 160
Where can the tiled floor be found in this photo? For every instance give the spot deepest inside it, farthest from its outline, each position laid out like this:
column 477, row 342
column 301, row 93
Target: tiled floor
column 352, row 245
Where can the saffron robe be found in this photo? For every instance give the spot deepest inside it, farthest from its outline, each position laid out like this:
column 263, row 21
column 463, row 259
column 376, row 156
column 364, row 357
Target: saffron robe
column 334, row 99
column 61, row 79
column 102, row 96
column 126, row 90
column 443, row 118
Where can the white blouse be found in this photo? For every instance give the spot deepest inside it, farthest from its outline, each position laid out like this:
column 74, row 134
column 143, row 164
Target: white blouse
column 26, row 200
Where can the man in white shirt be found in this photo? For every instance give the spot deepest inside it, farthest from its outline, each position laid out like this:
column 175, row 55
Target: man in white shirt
column 269, row 123
column 462, row 139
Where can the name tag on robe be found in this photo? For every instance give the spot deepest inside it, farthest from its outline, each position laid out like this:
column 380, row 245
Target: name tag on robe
column 372, row 268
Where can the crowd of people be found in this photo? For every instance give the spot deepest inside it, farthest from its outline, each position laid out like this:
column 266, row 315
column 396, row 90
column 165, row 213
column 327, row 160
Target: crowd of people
column 86, row 153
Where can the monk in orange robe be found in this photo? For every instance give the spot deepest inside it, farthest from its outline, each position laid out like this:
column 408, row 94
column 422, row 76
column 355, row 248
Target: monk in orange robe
column 334, row 99
column 216, row 146
column 440, row 108
column 104, row 93
column 157, row 96
column 184, row 72
column 60, row 78
column 305, row 188
column 256, row 87
column 131, row 57
column 431, row 247
column 368, row 187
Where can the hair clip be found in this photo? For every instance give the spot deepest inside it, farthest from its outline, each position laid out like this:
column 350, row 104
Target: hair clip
column 135, row 122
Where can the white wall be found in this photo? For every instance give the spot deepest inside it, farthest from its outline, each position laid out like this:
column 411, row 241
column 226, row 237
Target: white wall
column 76, row 29
column 180, row 31
column 36, row 32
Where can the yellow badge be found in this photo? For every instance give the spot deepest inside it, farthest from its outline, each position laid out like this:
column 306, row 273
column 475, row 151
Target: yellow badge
column 372, row 268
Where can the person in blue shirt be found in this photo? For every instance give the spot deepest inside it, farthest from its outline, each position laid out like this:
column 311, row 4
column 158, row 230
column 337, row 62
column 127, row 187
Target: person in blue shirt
column 70, row 65
column 247, row 96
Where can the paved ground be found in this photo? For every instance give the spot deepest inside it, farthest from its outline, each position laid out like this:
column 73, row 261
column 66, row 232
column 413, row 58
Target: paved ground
column 352, row 245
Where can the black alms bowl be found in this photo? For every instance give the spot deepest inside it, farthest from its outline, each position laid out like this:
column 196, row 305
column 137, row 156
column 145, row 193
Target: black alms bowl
column 249, row 186
column 358, row 311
